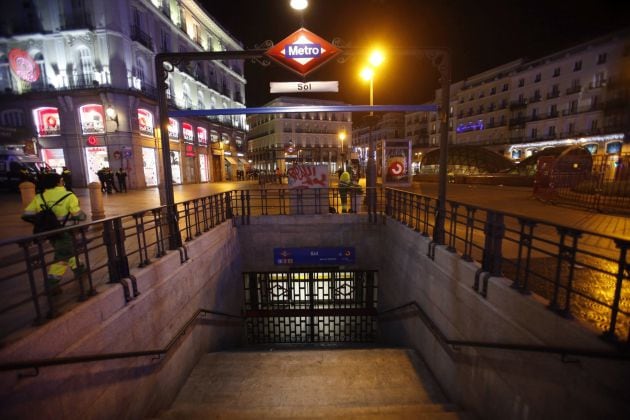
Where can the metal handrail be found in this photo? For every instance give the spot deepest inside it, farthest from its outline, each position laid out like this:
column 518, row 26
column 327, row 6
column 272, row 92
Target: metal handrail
column 38, row 363
column 561, row 350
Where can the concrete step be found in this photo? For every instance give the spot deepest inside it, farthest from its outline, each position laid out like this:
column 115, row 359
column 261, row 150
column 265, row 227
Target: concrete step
column 311, row 383
column 410, row 411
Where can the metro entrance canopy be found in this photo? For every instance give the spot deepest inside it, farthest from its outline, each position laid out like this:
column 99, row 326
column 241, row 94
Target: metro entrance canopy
column 308, row 59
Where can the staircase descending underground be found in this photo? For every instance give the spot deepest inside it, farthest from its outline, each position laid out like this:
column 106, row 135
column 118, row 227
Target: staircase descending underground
column 363, row 383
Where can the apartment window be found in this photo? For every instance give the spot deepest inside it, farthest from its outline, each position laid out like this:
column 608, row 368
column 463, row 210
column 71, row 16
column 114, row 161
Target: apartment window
column 556, row 72
column 553, row 110
column 594, row 126
column 573, row 106
column 577, row 66
column 521, row 82
column 505, row 87
column 537, row 78
column 571, row 128
column 601, row 58
column 552, row 131
column 534, row 133
column 13, row 118
column 493, row 91
column 600, row 79
column 534, row 113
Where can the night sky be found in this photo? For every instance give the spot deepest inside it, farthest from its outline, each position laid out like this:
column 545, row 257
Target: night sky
column 481, row 34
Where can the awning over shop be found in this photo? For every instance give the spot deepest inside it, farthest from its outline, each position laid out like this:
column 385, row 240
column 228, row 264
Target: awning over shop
column 243, row 161
column 231, row 160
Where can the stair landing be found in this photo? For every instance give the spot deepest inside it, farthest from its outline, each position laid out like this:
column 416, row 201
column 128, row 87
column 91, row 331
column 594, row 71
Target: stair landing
column 357, row 383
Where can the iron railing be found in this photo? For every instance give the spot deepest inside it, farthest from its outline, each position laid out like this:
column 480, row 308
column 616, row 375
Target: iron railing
column 450, row 344
column 581, row 274
column 107, row 251
column 156, row 353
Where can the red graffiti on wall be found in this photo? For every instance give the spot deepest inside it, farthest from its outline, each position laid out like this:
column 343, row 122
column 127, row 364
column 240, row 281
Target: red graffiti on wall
column 307, row 176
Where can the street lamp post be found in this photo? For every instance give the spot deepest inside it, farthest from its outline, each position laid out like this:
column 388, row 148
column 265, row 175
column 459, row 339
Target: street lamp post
column 375, row 59
column 342, row 137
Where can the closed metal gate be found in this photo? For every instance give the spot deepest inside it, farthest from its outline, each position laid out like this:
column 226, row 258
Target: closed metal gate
column 310, row 306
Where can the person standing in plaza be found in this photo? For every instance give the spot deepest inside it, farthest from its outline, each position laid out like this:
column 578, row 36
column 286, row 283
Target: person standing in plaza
column 345, row 184
column 121, row 175
column 65, row 206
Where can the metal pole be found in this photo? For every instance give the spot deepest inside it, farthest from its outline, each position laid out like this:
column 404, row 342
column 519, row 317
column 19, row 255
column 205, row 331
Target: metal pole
column 445, row 82
column 370, row 170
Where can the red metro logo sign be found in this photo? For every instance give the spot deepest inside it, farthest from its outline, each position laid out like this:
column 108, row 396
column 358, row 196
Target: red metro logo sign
column 23, row 65
column 303, row 51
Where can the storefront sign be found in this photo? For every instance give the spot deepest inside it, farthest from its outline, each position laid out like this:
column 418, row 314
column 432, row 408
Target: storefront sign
column 202, row 135
column 307, row 176
column 314, row 256
column 189, row 150
column 47, row 121
column 23, row 65
column 173, row 129
column 187, row 132
column 145, row 122
column 92, row 117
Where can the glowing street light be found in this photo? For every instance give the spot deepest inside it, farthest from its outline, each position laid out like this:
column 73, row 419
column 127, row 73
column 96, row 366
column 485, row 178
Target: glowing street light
column 299, row 4
column 342, row 137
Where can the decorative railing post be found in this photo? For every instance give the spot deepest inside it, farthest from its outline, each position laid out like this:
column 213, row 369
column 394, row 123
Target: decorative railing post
column 623, row 274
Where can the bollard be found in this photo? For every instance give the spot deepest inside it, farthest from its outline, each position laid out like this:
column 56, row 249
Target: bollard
column 96, row 200
column 27, row 191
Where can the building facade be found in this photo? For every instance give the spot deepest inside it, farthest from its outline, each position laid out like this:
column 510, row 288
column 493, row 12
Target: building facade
column 77, row 87
column 580, row 95
column 277, row 140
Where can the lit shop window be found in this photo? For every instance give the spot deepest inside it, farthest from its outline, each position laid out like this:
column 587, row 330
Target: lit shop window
column 214, row 136
column 202, row 135
column 145, row 122
column 47, row 121
column 92, row 119
column 173, row 129
column 188, row 133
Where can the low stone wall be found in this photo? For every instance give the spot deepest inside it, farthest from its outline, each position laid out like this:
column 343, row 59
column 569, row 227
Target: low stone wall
column 494, row 384
column 171, row 292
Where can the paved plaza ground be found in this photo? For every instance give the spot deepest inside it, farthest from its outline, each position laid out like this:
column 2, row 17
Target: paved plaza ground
column 514, row 200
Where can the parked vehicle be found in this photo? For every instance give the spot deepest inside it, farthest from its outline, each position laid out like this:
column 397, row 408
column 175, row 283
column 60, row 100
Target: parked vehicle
column 16, row 167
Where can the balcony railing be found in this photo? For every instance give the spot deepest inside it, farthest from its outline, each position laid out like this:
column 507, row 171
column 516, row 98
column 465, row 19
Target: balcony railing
column 141, row 37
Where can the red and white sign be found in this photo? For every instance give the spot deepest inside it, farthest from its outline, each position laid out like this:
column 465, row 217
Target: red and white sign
column 23, row 65
column 173, row 129
column 47, row 121
column 187, row 132
column 189, row 150
column 302, row 51
column 92, row 118
column 202, row 135
column 145, row 122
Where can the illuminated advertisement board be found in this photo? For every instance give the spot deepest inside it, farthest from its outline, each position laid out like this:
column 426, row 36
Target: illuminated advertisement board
column 202, row 135
column 92, row 119
column 145, row 122
column 173, row 129
column 23, row 65
column 188, row 133
column 396, row 162
column 214, row 136
column 47, row 121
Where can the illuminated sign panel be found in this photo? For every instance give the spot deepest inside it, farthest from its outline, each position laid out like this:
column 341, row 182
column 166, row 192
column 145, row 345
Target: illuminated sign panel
column 187, row 132
column 92, row 117
column 302, row 51
column 202, row 135
column 173, row 129
column 47, row 121
column 145, row 122
column 23, row 65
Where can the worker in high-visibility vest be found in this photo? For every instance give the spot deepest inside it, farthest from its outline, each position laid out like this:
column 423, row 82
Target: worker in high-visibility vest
column 65, row 205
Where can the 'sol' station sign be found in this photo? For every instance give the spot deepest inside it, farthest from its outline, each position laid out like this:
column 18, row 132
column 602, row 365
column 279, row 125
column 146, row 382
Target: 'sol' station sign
column 302, row 51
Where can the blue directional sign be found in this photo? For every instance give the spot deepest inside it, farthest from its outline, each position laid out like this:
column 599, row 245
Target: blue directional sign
column 314, row 256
